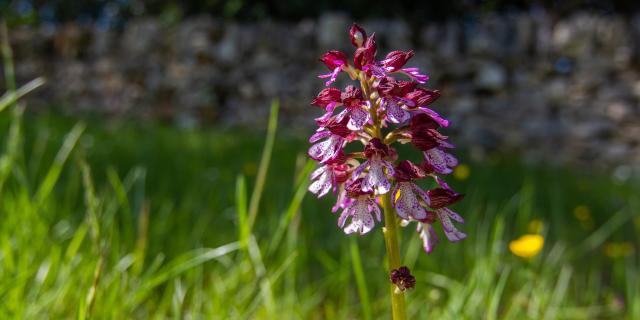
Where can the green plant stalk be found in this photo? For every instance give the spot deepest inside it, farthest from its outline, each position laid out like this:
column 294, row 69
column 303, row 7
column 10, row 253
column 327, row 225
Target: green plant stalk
column 391, row 239
column 390, row 230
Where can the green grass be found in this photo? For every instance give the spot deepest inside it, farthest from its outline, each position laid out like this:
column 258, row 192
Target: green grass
column 143, row 222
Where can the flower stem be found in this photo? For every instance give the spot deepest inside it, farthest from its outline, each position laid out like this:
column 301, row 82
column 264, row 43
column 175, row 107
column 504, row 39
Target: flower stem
column 393, row 254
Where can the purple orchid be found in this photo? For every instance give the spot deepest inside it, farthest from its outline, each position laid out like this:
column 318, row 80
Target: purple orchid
column 359, row 210
column 355, row 107
column 328, row 99
column 336, row 135
column 375, row 179
column 441, row 161
column 420, row 98
column 392, row 92
column 336, row 61
column 403, row 196
column 378, row 112
column 329, row 176
column 440, row 199
column 427, row 233
column 395, row 60
column 425, row 136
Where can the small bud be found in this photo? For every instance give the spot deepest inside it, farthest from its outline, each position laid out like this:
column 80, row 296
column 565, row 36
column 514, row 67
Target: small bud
column 441, row 197
column 402, row 278
column 326, row 97
column 422, row 97
column 366, row 54
column 408, row 171
column 375, row 147
column 358, row 35
column 392, row 87
column 396, row 60
column 334, row 59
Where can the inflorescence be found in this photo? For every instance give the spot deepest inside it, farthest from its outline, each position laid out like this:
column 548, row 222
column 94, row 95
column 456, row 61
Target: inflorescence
column 379, row 112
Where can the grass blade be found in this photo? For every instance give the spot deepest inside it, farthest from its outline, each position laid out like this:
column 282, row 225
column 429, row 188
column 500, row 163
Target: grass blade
column 12, row 97
column 294, row 206
column 241, row 206
column 58, row 163
column 494, row 303
column 179, row 265
column 361, row 281
column 600, row 236
column 264, row 164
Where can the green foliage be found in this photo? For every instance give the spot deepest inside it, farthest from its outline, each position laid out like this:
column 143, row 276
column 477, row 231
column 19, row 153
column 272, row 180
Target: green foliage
column 168, row 243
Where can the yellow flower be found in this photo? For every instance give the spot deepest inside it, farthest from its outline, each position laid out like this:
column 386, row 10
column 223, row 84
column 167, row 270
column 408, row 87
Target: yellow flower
column 250, row 168
column 461, row 172
column 582, row 213
column 615, row 250
column 527, row 246
column 535, row 226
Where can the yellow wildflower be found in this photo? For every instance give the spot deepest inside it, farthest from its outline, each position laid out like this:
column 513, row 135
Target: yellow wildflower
column 461, row 172
column 582, row 213
column 615, row 250
column 250, row 168
column 535, row 226
column 527, row 246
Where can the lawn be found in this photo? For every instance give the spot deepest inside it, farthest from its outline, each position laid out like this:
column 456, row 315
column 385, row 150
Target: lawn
column 117, row 220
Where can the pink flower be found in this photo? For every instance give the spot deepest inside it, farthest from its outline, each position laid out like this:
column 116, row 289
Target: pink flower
column 335, row 134
column 328, row 99
column 355, row 107
column 403, row 196
column 419, row 97
column 335, row 61
column 366, row 54
column 365, row 59
column 359, row 210
column 396, row 60
column 375, row 180
column 329, row 176
column 424, row 133
column 440, row 199
column 393, row 101
column 441, row 161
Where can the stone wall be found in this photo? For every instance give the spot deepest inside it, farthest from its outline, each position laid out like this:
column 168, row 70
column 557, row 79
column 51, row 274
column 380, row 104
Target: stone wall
column 557, row 89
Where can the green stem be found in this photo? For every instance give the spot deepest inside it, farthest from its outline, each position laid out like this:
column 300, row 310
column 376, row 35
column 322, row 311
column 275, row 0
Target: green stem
column 393, row 254
column 390, row 229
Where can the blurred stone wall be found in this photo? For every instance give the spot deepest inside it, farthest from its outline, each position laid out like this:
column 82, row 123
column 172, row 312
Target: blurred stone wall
column 557, row 89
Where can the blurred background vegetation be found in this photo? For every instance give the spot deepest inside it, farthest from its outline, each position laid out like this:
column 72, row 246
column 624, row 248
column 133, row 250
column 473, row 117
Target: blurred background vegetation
column 118, row 218
column 117, row 12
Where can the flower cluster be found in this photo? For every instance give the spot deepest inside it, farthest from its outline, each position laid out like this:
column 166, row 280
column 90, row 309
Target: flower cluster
column 387, row 106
